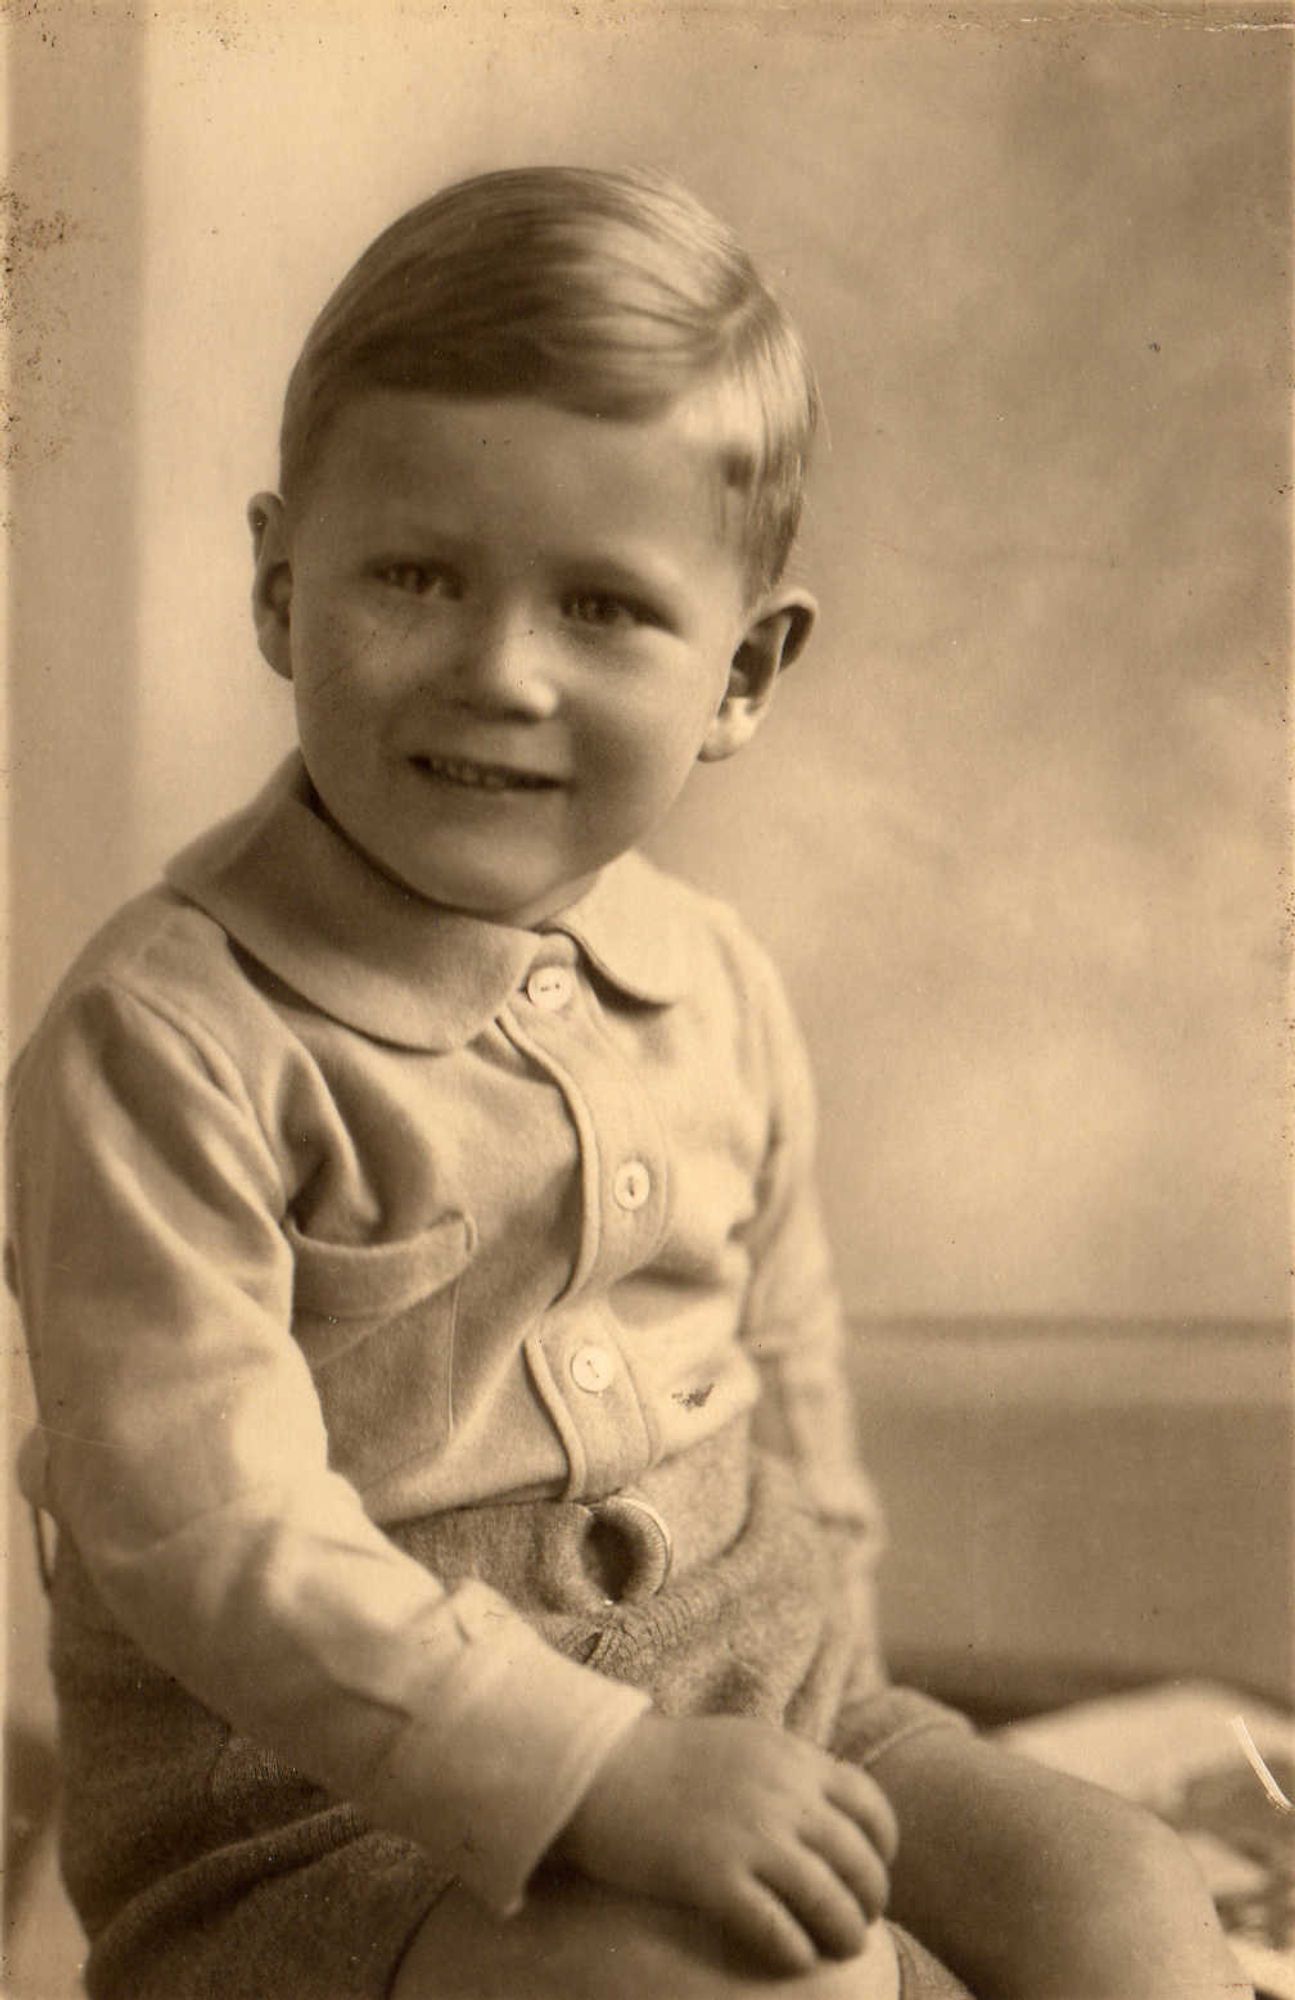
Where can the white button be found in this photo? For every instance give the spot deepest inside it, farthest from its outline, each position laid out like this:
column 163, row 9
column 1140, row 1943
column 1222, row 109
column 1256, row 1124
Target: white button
column 632, row 1185
column 593, row 1369
column 550, row 987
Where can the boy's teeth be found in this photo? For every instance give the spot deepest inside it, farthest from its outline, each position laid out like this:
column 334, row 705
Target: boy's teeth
column 482, row 776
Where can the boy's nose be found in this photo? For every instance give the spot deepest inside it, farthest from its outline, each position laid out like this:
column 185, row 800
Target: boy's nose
column 505, row 664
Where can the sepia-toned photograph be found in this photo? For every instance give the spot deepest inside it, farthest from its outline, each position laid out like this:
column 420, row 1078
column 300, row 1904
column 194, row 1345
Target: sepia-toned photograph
column 648, row 1218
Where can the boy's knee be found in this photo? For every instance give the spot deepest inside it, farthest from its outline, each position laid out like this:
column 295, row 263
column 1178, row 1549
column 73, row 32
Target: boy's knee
column 1149, row 1876
column 576, row 1940
column 1154, row 1930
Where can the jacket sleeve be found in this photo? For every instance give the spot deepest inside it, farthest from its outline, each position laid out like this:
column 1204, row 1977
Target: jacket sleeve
column 186, row 1455
column 793, row 1323
column 796, row 1331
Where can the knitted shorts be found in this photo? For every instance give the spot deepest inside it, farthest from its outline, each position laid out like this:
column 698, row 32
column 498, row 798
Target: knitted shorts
column 203, row 1868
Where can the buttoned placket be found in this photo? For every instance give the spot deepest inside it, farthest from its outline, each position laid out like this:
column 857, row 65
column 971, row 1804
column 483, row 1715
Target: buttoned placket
column 576, row 1356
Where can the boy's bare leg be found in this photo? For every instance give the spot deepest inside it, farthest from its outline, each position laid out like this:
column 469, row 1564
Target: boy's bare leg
column 1035, row 1886
column 582, row 1940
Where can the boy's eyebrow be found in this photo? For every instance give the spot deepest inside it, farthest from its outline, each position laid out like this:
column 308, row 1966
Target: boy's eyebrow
column 626, row 570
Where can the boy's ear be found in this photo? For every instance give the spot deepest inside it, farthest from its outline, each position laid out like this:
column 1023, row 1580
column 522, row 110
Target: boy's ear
column 271, row 581
column 777, row 633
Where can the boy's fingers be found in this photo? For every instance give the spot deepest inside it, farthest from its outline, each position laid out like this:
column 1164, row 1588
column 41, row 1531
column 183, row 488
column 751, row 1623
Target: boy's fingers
column 756, row 1915
column 851, row 1854
column 862, row 1799
column 818, row 1899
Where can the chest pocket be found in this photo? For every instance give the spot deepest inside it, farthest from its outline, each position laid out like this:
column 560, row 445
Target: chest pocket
column 376, row 1322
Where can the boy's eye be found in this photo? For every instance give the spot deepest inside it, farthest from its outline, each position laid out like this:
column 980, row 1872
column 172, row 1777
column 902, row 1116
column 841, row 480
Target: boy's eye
column 417, row 579
column 603, row 608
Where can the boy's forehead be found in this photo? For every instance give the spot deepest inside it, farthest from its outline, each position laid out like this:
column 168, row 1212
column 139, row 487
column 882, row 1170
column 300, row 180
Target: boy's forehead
column 394, row 456
column 398, row 426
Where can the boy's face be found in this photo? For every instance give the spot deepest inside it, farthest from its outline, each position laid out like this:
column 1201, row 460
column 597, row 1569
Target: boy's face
column 511, row 632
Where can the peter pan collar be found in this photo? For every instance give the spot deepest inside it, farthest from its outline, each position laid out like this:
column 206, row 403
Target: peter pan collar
column 293, row 893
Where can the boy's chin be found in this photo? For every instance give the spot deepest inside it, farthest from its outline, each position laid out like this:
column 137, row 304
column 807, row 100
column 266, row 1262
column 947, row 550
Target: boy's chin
column 513, row 905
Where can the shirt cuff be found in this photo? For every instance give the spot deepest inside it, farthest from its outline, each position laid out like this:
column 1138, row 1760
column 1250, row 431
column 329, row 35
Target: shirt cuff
column 511, row 1738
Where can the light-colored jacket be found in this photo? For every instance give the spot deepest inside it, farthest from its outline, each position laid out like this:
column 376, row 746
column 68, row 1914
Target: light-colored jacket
column 331, row 1210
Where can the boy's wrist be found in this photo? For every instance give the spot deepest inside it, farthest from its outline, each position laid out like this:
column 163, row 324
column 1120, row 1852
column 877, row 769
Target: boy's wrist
column 507, row 1744
column 580, row 1840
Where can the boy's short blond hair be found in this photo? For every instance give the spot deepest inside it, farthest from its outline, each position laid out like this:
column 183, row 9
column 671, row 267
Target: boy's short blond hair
column 607, row 293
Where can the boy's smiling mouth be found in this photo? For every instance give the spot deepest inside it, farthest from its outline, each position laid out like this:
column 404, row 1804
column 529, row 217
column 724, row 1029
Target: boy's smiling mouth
column 479, row 777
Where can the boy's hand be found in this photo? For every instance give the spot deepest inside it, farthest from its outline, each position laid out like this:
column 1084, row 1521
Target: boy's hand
column 785, row 1847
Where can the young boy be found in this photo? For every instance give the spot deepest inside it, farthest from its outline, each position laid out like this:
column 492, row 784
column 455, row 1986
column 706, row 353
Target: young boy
column 462, row 1580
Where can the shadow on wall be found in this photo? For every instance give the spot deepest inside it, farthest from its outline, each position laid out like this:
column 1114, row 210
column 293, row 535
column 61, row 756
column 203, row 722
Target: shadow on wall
column 1078, row 1506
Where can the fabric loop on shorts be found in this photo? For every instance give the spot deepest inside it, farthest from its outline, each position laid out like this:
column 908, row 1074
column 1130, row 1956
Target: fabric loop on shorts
column 576, row 1556
column 629, row 1548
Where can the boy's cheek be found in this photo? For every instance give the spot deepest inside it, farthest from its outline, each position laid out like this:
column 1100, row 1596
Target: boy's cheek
column 347, row 654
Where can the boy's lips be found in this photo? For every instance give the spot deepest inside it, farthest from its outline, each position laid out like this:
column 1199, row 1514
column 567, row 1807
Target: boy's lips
column 475, row 775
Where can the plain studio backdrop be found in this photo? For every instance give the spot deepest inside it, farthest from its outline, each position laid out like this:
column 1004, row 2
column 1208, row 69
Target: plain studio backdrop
column 1017, row 831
